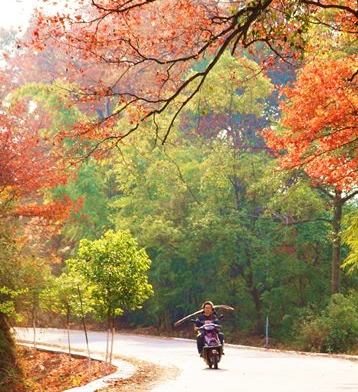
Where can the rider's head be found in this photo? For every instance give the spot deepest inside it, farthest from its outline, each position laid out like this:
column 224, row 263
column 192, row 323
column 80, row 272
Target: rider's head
column 208, row 307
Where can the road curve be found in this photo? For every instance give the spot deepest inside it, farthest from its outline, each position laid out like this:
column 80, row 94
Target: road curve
column 242, row 369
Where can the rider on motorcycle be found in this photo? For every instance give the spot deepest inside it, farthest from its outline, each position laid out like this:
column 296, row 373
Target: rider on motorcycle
column 207, row 316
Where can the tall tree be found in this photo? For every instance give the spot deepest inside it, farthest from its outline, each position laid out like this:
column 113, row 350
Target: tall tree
column 213, row 237
column 94, row 187
column 318, row 134
column 28, row 172
column 240, row 90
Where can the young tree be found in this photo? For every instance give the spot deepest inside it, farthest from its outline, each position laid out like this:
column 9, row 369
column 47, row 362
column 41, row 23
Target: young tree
column 34, row 277
column 65, row 296
column 116, row 273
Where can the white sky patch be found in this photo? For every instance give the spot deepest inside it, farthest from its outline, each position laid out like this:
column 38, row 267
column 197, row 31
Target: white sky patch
column 16, row 13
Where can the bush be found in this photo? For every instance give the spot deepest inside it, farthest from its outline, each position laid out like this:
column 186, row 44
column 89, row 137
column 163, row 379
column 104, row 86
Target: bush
column 343, row 317
column 335, row 329
column 313, row 334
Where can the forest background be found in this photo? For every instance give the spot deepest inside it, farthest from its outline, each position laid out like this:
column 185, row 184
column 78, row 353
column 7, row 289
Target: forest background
column 158, row 154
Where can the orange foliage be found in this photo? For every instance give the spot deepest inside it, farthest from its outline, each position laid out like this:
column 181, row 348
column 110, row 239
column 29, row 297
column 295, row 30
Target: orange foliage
column 26, row 168
column 319, row 122
column 55, row 210
column 29, row 166
column 137, row 53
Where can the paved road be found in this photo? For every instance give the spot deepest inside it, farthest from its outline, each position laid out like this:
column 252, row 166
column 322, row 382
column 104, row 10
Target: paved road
column 241, row 369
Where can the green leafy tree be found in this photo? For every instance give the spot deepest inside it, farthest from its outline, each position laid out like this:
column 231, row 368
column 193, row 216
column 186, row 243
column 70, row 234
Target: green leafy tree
column 34, row 276
column 231, row 102
column 212, row 234
column 65, row 296
column 95, row 189
column 215, row 233
column 350, row 238
column 115, row 270
column 62, row 297
column 159, row 218
column 19, row 290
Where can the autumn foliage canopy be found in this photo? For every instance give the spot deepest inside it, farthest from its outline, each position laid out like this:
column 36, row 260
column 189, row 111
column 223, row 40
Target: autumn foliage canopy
column 28, row 167
column 319, row 126
column 131, row 58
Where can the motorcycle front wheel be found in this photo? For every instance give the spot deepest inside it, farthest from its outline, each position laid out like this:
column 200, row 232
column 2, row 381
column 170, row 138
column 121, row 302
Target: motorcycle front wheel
column 215, row 360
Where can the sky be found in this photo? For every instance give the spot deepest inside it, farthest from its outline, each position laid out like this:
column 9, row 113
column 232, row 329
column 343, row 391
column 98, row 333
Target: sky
column 16, row 13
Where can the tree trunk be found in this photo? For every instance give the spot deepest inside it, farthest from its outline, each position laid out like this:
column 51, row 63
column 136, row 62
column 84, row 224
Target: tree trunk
column 258, row 307
column 336, row 242
column 255, row 293
column 107, row 342
column 86, row 335
column 68, row 334
column 113, row 330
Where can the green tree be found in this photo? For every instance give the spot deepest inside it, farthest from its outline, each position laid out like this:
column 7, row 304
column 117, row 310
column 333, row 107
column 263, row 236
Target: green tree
column 10, row 289
column 34, row 277
column 350, row 238
column 95, row 189
column 215, row 233
column 160, row 219
column 231, row 102
column 116, row 273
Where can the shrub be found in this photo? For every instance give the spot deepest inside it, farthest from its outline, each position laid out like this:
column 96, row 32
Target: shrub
column 343, row 320
column 335, row 329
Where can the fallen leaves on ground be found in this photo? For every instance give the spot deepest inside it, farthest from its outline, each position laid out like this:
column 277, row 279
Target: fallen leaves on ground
column 56, row 372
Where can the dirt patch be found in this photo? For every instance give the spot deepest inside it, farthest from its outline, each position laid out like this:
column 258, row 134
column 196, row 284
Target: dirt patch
column 146, row 377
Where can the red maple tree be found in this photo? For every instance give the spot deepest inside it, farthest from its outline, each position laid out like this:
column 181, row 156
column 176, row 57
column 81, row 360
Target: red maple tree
column 318, row 133
column 319, row 126
column 135, row 55
column 29, row 166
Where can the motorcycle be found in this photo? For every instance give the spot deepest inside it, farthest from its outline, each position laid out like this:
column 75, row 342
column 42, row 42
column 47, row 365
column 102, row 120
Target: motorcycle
column 213, row 349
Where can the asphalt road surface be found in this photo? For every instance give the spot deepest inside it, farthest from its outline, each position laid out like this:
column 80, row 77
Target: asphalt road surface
column 241, row 369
